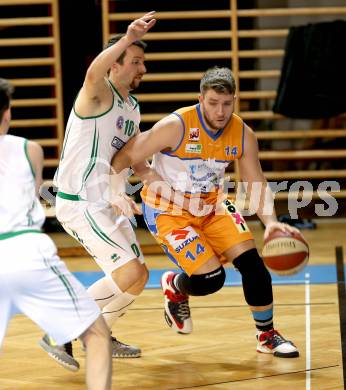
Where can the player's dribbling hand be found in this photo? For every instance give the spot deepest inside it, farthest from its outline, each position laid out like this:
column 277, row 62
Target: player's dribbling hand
column 284, row 227
column 124, row 205
column 140, row 26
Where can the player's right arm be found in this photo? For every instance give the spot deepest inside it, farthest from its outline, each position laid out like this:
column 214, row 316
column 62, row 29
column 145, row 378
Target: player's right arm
column 165, row 134
column 95, row 95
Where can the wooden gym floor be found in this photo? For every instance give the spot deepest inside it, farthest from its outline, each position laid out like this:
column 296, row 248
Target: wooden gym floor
column 221, row 352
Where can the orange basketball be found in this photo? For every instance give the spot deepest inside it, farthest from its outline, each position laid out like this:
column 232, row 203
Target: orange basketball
column 285, row 253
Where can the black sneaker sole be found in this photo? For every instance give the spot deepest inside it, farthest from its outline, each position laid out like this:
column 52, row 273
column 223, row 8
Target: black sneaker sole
column 286, row 355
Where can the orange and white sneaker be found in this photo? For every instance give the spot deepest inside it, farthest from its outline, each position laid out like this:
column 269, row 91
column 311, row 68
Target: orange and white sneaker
column 272, row 342
column 177, row 310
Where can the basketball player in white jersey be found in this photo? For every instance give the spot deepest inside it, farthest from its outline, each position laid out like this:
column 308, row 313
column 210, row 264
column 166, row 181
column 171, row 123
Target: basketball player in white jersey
column 104, row 117
column 33, row 279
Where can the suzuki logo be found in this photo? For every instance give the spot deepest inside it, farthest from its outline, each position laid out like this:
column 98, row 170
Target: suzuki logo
column 180, row 234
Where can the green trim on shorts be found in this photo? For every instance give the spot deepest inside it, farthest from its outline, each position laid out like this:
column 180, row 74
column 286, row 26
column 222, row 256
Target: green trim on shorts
column 66, row 283
column 99, row 232
column 4, row 236
column 63, row 195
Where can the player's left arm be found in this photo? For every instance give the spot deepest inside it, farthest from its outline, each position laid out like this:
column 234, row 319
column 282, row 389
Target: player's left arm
column 252, row 176
column 35, row 153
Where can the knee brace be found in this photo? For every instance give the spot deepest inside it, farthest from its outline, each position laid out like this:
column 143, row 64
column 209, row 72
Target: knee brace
column 203, row 284
column 257, row 282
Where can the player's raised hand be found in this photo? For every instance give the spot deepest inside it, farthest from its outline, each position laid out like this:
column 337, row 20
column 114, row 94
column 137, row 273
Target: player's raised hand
column 139, row 27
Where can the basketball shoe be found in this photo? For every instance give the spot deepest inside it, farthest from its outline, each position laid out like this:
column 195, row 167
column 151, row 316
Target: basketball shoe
column 62, row 354
column 122, row 350
column 272, row 342
column 177, row 310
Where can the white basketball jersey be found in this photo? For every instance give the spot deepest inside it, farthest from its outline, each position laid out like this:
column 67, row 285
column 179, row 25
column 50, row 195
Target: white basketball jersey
column 20, row 208
column 89, row 146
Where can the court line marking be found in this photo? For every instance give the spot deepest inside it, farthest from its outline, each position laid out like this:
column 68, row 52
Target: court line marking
column 252, row 378
column 307, row 332
column 233, row 306
column 340, row 273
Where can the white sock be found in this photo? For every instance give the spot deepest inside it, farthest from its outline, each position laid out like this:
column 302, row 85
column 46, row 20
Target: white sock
column 104, row 291
column 117, row 307
column 111, row 300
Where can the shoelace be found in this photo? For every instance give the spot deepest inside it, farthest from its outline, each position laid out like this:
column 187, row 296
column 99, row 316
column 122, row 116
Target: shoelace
column 275, row 338
column 184, row 310
column 118, row 342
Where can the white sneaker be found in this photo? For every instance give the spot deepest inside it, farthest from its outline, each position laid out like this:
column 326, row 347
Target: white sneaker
column 273, row 342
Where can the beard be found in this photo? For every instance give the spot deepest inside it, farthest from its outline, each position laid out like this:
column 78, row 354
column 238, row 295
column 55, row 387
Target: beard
column 209, row 123
column 134, row 83
column 212, row 125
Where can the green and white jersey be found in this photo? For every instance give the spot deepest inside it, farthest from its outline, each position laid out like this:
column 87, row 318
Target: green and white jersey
column 89, row 146
column 20, row 209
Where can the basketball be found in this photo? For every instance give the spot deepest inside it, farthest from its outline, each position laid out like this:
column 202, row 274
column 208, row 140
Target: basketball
column 285, row 253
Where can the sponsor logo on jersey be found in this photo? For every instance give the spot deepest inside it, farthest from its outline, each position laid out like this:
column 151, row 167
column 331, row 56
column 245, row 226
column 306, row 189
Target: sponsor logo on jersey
column 194, row 134
column 180, row 238
column 117, row 143
column 120, row 122
column 193, row 148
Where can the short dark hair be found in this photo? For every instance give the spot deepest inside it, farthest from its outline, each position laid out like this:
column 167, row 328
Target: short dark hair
column 116, row 38
column 6, row 91
column 220, row 80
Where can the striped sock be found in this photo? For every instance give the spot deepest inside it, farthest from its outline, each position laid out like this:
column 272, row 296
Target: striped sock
column 263, row 319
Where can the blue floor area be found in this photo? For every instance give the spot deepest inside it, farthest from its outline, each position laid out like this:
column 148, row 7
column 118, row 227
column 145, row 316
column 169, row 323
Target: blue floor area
column 316, row 274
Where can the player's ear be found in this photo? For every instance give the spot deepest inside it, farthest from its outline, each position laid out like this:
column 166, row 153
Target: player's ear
column 6, row 119
column 114, row 67
column 7, row 114
column 200, row 98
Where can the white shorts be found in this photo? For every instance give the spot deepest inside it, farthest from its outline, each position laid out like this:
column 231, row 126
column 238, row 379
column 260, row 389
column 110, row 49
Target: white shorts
column 110, row 239
column 35, row 282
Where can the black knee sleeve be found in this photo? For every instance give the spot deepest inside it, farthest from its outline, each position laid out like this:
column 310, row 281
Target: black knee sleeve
column 203, row 284
column 257, row 282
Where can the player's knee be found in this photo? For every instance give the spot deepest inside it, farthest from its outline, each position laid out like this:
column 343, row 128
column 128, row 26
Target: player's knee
column 203, row 284
column 257, row 282
column 144, row 276
column 130, row 274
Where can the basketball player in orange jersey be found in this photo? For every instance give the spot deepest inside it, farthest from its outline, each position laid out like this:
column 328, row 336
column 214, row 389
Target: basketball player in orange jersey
column 191, row 149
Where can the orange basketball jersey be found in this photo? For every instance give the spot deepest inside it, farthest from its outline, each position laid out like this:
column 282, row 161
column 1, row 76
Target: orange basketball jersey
column 197, row 165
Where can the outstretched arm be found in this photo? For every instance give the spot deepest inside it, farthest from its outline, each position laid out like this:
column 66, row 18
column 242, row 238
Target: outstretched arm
column 165, row 134
column 95, row 90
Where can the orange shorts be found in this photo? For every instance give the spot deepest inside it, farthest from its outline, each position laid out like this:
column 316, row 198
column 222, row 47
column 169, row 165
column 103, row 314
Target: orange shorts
column 191, row 241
